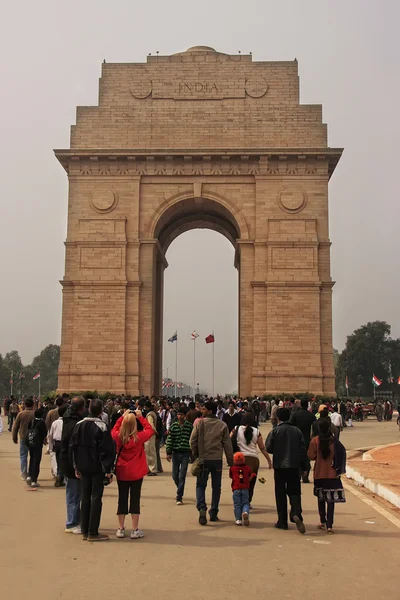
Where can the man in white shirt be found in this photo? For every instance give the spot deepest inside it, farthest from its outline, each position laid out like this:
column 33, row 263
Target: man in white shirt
column 54, row 440
column 336, row 419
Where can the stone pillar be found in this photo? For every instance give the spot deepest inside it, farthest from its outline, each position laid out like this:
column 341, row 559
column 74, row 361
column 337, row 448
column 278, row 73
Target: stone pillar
column 246, row 316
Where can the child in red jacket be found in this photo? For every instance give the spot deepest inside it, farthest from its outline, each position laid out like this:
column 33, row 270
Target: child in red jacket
column 241, row 475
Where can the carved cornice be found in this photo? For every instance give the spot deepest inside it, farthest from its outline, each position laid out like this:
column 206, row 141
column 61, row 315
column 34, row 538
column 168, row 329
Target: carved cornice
column 261, row 163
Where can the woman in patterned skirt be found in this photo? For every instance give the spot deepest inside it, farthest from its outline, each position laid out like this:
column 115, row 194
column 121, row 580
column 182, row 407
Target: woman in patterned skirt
column 330, row 463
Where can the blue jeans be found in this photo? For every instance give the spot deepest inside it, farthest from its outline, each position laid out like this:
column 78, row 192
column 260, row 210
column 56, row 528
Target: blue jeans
column 23, row 457
column 73, row 497
column 180, row 462
column 213, row 468
column 241, row 503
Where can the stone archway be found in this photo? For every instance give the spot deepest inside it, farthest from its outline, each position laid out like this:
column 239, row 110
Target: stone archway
column 198, row 139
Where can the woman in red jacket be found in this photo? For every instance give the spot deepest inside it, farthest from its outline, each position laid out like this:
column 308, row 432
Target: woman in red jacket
column 131, row 467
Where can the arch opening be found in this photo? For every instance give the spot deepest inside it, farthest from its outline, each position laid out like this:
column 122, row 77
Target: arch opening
column 200, row 291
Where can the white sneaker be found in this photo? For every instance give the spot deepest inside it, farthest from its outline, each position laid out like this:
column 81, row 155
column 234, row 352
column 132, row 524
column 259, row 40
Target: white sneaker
column 77, row 530
column 28, row 480
column 120, row 533
column 245, row 519
column 179, row 503
column 34, row 484
column 238, row 522
column 137, row 534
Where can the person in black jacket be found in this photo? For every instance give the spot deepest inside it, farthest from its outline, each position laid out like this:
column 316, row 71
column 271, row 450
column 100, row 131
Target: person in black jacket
column 73, row 485
column 232, row 417
column 286, row 443
column 37, row 432
column 303, row 419
column 93, row 452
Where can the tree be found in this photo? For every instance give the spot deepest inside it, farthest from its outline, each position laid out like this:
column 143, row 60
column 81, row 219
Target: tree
column 47, row 364
column 368, row 352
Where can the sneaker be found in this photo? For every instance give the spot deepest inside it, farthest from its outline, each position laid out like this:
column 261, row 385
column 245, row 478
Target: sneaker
column 77, row 530
column 214, row 518
column 137, row 534
column 179, row 503
column 120, row 532
column 34, row 484
column 100, row 537
column 202, row 517
column 23, row 476
column 245, row 519
column 28, row 480
column 238, row 522
column 299, row 524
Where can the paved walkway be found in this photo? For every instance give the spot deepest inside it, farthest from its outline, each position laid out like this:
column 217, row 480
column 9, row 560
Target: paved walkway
column 178, row 559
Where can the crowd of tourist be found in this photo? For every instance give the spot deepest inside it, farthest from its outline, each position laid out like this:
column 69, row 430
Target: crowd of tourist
column 90, row 443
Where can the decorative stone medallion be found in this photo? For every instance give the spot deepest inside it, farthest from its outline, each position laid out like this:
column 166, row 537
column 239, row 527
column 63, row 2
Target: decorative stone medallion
column 103, row 201
column 292, row 200
column 142, row 89
column 256, row 88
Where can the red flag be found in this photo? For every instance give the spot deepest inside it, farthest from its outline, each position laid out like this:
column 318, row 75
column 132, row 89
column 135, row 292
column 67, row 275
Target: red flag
column 210, row 339
column 347, row 383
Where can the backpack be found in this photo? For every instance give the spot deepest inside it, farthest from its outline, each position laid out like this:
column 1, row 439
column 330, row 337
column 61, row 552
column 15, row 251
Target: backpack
column 159, row 426
column 32, row 439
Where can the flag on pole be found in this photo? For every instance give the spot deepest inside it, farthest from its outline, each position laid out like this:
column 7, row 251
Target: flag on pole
column 210, row 339
column 398, row 381
column 37, row 376
column 22, row 375
column 377, row 382
column 194, row 335
column 347, row 383
column 174, row 338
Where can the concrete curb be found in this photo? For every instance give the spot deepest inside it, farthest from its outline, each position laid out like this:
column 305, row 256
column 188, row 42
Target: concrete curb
column 374, row 486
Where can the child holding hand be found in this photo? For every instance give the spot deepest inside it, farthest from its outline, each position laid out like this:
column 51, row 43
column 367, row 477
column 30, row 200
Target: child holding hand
column 241, row 475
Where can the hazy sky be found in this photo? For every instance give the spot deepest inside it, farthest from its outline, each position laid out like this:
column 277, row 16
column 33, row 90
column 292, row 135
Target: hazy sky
column 51, row 53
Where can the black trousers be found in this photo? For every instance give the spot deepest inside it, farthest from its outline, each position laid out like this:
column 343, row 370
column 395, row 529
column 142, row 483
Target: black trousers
column 91, row 502
column 57, row 450
column 287, row 483
column 131, row 489
column 326, row 511
column 35, row 457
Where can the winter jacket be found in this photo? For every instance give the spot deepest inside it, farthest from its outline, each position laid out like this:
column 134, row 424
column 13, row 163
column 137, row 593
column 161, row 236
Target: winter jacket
column 132, row 463
column 21, row 424
column 93, row 449
column 216, row 439
column 303, row 419
column 232, row 421
column 70, row 419
column 286, row 443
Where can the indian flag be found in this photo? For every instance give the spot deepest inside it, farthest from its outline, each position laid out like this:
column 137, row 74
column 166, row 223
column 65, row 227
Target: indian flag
column 377, row 382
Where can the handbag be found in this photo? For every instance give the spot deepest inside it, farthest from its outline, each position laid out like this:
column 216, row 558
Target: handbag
column 198, row 463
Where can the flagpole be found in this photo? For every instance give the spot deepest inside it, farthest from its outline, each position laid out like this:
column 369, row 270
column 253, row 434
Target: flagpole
column 194, row 369
column 176, row 363
column 12, row 382
column 213, row 366
column 39, row 386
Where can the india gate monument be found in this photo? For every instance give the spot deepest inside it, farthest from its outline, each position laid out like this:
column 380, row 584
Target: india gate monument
column 199, row 139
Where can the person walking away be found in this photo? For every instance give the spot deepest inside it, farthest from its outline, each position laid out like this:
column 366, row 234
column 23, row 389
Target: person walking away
column 13, row 410
column 274, row 418
column 349, row 414
column 131, row 467
column 336, row 420
column 150, row 445
column 241, row 476
column 53, row 414
column 330, row 463
column 178, row 450
column 232, row 417
column 286, row 443
column 20, row 429
column 72, row 416
column 249, row 440
column 323, row 414
column 35, row 438
column 54, row 441
column 210, row 436
column 304, row 419
column 159, row 434
column 93, row 453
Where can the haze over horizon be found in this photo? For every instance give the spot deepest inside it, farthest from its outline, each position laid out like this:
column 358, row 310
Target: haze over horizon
column 348, row 56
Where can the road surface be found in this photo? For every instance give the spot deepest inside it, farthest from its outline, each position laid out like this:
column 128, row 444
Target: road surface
column 180, row 560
